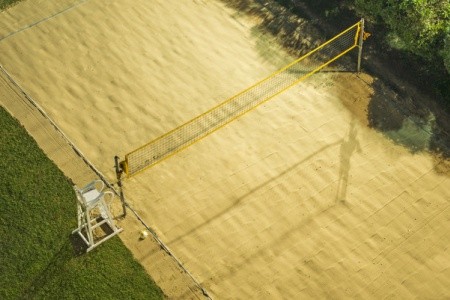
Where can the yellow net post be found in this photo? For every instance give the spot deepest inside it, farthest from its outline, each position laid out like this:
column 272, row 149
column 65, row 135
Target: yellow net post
column 360, row 44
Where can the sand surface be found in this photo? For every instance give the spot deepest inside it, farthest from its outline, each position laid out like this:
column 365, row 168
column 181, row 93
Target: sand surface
column 296, row 199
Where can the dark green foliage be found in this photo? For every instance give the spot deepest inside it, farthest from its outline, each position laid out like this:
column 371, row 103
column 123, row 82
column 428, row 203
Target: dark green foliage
column 417, row 26
column 37, row 215
column 6, row 3
column 414, row 35
column 446, row 50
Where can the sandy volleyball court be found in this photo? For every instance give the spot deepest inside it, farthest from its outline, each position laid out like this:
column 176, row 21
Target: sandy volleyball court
column 296, row 199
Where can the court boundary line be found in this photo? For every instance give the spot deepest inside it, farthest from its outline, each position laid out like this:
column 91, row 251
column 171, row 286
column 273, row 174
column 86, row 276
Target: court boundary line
column 43, row 20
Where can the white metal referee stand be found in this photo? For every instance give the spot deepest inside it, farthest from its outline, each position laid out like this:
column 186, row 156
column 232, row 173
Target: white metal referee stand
column 93, row 212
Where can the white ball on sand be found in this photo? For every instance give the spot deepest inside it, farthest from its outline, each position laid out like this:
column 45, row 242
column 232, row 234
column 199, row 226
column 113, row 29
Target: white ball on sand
column 143, row 234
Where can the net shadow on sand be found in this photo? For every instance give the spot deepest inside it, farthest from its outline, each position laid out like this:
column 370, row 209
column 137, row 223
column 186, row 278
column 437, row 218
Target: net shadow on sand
column 239, row 200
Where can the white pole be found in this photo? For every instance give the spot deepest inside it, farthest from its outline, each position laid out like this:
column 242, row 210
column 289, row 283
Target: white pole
column 360, row 45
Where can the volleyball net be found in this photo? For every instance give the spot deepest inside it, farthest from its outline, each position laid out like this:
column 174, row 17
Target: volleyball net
column 201, row 126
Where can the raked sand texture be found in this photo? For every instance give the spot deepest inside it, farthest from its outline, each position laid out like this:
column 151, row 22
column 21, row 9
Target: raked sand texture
column 297, row 199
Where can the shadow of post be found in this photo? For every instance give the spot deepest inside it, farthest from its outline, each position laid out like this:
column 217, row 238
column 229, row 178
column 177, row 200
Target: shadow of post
column 348, row 147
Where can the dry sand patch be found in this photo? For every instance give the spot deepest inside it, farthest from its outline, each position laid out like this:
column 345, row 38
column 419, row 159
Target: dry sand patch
column 297, row 210
column 297, row 199
column 139, row 70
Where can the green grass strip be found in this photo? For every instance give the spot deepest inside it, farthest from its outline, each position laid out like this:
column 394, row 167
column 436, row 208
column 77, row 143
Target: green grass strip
column 37, row 215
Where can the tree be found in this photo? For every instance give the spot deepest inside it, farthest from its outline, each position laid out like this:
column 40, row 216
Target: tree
column 446, row 51
column 419, row 26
